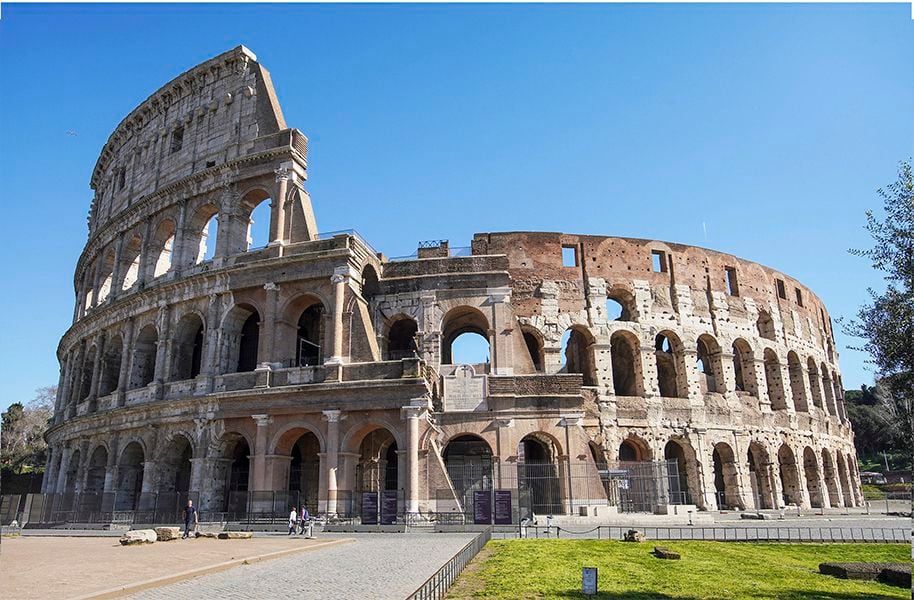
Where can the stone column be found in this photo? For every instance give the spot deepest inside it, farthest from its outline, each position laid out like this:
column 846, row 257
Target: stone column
column 143, row 273
column 123, row 378
column 258, row 465
column 97, row 366
column 412, row 413
column 149, row 478
column 111, row 468
column 162, row 345
column 267, row 347
column 50, row 473
column 568, row 422
column 116, row 269
column 278, row 229
column 502, row 349
column 333, row 418
column 761, row 382
column 339, row 279
column 178, row 250
column 209, row 368
column 60, row 486
column 196, row 474
column 97, row 280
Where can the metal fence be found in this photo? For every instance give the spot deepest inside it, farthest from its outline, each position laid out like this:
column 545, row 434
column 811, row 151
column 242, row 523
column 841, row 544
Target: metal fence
column 438, row 584
column 785, row 534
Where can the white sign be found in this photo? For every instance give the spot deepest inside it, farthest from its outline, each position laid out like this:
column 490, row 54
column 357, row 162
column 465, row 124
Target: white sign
column 589, row 581
column 465, row 390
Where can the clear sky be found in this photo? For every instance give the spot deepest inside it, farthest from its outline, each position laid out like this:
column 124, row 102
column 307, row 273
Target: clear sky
column 760, row 130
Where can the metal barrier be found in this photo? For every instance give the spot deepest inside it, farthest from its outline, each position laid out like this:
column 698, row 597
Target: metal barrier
column 438, row 584
column 784, row 534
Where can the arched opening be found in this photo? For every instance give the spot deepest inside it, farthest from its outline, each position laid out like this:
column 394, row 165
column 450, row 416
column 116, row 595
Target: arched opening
column 726, row 478
column 708, row 361
column 829, row 392
column 95, row 470
column 797, row 385
column 401, row 339
column 310, row 336
column 174, row 467
column 72, row 482
column 831, row 479
column 680, row 472
column 378, row 467
column 130, row 470
column 188, row 347
column 760, row 476
column 232, row 483
column 774, row 381
column 668, row 353
column 468, row 460
column 577, row 354
column 633, row 449
column 201, row 234
column 144, row 357
column 248, row 345
column 131, row 252
column 111, row 366
column 744, row 368
column 107, row 280
column 626, row 364
column 765, row 325
column 304, row 470
column 539, row 488
column 811, row 471
column 162, row 247
column 371, row 286
column 258, row 227
column 464, row 337
column 814, row 387
column 534, row 344
column 240, row 339
column 85, row 384
column 791, row 491
column 845, row 477
column 620, row 305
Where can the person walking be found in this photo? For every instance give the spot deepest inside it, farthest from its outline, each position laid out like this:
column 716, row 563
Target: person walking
column 293, row 521
column 190, row 516
column 306, row 525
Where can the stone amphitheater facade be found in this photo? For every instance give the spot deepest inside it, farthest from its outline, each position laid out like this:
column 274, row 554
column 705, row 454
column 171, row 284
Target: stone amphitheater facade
column 314, row 361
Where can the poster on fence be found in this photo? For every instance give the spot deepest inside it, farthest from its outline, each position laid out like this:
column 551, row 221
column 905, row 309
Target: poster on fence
column 369, row 508
column 503, row 507
column 482, row 507
column 388, row 507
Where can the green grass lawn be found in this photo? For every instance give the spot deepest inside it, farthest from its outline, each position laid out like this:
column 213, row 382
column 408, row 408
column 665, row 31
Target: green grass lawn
column 708, row 570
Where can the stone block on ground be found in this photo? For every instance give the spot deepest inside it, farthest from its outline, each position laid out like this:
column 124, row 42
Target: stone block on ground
column 166, row 534
column 236, row 535
column 861, row 570
column 138, row 536
column 665, row 553
column 633, row 535
column 206, row 534
column 896, row 574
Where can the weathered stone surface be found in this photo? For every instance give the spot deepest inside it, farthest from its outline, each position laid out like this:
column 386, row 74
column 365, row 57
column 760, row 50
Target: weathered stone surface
column 889, row 572
column 166, row 534
column 665, row 553
column 207, row 534
column 633, row 535
column 138, row 536
column 897, row 575
column 236, row 535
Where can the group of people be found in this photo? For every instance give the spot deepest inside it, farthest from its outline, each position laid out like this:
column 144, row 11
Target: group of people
column 301, row 521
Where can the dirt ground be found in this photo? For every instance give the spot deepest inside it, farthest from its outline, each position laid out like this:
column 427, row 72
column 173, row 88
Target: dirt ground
column 70, row 567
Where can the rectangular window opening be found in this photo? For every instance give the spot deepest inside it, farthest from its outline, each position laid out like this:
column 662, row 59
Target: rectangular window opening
column 799, row 296
column 659, row 263
column 177, row 139
column 732, row 283
column 782, row 291
column 569, row 256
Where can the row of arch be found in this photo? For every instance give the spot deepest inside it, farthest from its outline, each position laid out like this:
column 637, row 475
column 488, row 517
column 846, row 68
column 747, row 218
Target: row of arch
column 173, row 243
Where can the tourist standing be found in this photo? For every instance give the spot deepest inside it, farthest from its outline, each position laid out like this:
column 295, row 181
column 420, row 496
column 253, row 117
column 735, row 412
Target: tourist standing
column 293, row 521
column 306, row 525
column 190, row 516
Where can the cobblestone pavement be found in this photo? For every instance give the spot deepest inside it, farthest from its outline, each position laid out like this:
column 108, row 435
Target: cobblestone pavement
column 375, row 566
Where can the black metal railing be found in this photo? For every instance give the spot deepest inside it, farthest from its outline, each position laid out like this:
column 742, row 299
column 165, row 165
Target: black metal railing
column 438, row 584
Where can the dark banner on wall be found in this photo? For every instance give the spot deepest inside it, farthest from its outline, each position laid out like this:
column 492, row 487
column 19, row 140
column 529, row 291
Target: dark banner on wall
column 369, row 508
column 503, row 507
column 388, row 507
column 482, row 507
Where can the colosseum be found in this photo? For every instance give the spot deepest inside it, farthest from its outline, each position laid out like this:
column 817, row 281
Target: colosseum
column 622, row 375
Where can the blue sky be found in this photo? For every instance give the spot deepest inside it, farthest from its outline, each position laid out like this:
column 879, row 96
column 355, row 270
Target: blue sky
column 761, row 130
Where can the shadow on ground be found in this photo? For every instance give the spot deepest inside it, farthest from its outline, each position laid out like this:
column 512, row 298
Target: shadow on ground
column 785, row 595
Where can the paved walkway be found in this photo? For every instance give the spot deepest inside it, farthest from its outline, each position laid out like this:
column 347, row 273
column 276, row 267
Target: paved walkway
column 375, row 566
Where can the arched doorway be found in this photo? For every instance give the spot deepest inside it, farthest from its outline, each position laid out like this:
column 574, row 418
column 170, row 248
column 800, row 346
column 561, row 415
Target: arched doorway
column 681, row 489
column 626, row 364
column 310, row 336
column 539, row 486
column 187, row 348
column 465, row 337
column 577, row 354
column 304, row 470
column 95, row 471
column 791, row 492
column 708, row 362
column 401, row 339
column 130, row 471
column 811, row 472
column 378, row 466
column 760, row 476
column 844, row 476
column 774, row 381
column 173, row 481
column 670, row 365
column 231, row 477
column 726, row 478
column 831, row 479
column 468, row 461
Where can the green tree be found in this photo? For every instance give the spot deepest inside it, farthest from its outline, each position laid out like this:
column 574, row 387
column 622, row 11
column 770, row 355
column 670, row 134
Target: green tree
column 22, row 445
column 887, row 322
